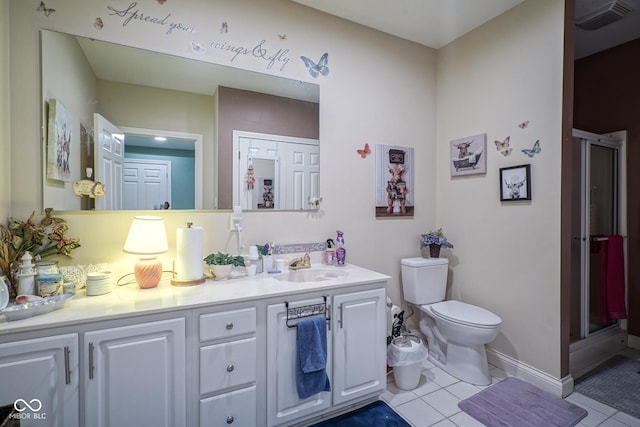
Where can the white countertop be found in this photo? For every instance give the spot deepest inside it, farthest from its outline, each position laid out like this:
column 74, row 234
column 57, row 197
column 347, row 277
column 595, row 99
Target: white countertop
column 131, row 300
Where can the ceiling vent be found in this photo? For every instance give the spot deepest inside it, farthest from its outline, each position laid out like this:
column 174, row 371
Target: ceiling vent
column 605, row 15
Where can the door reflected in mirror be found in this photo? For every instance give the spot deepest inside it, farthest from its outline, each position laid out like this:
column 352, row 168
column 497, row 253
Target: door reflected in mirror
column 152, row 96
column 275, row 171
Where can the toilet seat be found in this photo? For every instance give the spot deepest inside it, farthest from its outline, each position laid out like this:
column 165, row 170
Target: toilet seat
column 465, row 314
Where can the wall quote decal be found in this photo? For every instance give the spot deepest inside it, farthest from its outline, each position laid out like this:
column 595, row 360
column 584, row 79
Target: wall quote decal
column 132, row 13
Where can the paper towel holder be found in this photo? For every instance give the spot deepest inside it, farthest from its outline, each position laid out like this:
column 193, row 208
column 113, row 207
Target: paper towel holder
column 179, row 282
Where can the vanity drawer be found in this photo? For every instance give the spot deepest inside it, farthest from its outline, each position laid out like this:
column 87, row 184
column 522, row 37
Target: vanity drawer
column 227, row 365
column 237, row 408
column 227, row 324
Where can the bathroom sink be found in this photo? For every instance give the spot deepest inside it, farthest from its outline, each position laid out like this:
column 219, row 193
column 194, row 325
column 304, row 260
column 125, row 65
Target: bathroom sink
column 311, row 275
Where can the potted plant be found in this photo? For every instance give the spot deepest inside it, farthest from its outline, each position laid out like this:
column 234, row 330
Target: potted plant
column 434, row 240
column 221, row 263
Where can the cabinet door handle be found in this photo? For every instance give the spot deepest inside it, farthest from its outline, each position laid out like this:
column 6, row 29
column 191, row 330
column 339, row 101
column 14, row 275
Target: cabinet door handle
column 229, row 419
column 340, row 316
column 230, row 368
column 229, row 326
column 90, row 360
column 67, row 367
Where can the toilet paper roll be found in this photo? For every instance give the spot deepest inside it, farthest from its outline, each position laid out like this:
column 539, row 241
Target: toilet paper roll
column 189, row 248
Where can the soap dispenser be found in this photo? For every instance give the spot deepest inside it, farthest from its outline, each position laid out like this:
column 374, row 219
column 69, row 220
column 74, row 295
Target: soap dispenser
column 330, row 253
column 341, row 252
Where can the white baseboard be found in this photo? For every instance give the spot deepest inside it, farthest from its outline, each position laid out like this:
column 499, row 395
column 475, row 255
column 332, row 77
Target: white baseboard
column 633, row 342
column 515, row 368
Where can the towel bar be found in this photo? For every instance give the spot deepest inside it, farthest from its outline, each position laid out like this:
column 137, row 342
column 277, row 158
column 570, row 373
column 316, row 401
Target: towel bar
column 307, row 311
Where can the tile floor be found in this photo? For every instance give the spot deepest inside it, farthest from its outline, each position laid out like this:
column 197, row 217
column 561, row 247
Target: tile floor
column 435, row 402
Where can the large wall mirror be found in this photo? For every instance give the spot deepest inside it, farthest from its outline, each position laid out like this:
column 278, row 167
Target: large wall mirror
column 156, row 128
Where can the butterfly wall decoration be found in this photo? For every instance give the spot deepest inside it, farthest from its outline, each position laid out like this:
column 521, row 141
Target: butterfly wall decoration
column 365, row 151
column 44, row 9
column 321, row 67
column 282, row 36
column 524, row 125
column 534, row 150
column 503, row 146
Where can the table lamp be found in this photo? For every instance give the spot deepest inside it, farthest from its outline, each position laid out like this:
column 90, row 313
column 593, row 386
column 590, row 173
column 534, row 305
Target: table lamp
column 147, row 238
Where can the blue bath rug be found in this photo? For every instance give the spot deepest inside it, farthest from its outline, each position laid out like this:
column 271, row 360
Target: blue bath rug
column 516, row 403
column 376, row 414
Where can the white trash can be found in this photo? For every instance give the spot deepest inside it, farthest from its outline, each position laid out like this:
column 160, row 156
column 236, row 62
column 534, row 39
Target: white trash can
column 406, row 354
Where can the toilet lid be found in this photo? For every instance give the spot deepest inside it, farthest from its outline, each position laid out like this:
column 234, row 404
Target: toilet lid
column 467, row 314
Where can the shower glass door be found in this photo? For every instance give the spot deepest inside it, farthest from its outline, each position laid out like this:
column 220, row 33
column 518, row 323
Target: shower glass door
column 598, row 205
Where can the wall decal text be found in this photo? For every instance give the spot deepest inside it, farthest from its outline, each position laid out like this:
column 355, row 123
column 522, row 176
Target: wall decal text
column 132, row 13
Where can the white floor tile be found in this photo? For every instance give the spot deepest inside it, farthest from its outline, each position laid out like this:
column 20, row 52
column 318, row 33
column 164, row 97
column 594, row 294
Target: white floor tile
column 444, row 423
column 395, row 396
column 612, row 422
column 462, row 390
column 590, row 404
column 461, row 419
column 627, row 419
column 441, row 378
column 419, row 413
column 443, row 401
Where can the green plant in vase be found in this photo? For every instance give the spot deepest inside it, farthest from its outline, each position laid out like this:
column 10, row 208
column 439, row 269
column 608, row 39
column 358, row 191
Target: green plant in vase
column 221, row 263
column 435, row 240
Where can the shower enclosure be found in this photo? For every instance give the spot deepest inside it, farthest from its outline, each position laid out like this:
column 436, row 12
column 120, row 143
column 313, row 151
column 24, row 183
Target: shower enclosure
column 597, row 201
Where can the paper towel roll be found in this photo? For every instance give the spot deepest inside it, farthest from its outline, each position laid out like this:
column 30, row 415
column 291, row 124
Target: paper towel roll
column 189, row 248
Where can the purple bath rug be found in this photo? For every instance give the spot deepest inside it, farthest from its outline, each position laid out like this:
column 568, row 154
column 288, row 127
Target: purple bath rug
column 516, row 403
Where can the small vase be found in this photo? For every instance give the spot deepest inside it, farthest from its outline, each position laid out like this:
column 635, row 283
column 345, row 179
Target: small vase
column 221, row 272
column 434, row 251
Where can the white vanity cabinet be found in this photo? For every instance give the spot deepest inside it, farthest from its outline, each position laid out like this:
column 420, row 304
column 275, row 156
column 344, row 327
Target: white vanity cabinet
column 228, row 367
column 356, row 349
column 41, row 376
column 134, row 375
column 359, row 344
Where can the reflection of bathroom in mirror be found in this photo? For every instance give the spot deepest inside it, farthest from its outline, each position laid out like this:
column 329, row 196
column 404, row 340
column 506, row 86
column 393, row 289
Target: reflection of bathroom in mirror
column 194, row 104
column 275, row 171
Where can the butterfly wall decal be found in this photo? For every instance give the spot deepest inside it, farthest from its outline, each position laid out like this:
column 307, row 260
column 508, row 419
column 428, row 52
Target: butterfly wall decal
column 282, row 36
column 42, row 8
column 320, row 68
column 503, row 146
column 364, row 152
column 523, row 125
column 533, row 151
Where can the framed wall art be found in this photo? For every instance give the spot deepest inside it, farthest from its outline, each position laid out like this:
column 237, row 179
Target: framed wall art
column 394, row 181
column 515, row 183
column 59, row 142
column 468, row 155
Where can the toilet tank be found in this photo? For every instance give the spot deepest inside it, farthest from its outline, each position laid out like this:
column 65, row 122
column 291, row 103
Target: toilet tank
column 424, row 280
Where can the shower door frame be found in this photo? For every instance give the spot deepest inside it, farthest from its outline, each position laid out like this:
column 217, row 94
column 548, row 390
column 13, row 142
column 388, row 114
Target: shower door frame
column 587, row 140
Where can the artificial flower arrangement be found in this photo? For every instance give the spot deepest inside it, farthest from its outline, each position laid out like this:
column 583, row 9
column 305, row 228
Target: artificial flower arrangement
column 44, row 239
column 435, row 238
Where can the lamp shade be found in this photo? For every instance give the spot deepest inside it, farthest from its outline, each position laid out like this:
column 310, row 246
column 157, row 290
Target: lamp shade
column 147, row 236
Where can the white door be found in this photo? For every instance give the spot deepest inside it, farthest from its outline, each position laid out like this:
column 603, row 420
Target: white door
column 41, row 377
column 300, row 174
column 146, row 183
column 135, row 375
column 359, row 345
column 109, row 161
column 296, row 168
column 283, row 404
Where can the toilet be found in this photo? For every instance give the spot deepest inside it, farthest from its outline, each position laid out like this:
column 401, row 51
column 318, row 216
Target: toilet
column 456, row 332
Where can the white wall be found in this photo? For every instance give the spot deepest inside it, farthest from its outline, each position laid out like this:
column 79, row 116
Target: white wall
column 74, row 86
column 507, row 254
column 5, row 137
column 380, row 90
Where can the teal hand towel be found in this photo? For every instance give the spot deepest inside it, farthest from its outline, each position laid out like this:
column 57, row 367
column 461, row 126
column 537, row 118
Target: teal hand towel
column 311, row 359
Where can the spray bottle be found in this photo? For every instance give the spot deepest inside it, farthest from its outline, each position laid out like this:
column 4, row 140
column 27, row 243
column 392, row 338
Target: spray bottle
column 341, row 252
